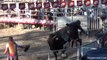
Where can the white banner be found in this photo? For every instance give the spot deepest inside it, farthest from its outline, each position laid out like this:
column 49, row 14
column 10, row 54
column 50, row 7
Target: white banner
column 26, row 21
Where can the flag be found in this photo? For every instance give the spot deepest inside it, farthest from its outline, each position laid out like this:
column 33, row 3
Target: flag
column 79, row 3
column 104, row 1
column 87, row 2
column 46, row 5
column 12, row 6
column 71, row 4
column 4, row 6
column 55, row 4
column 31, row 6
column 95, row 2
column 38, row 5
column 62, row 4
column 21, row 6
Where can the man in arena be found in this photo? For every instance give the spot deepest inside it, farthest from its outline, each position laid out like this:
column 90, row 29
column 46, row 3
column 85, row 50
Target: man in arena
column 11, row 49
column 74, row 33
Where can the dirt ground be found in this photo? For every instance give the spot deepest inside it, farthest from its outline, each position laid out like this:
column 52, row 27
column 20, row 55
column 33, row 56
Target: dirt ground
column 37, row 39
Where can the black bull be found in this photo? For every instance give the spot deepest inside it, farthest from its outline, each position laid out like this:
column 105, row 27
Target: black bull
column 57, row 39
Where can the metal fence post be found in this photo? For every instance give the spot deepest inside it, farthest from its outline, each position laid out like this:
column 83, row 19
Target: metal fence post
column 49, row 56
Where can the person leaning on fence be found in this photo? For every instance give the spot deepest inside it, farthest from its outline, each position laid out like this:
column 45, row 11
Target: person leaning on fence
column 74, row 34
column 11, row 49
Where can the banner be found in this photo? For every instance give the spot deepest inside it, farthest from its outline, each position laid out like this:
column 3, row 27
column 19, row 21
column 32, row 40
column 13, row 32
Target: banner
column 21, row 6
column 95, row 2
column 31, row 6
column 4, row 6
column 71, row 4
column 12, row 6
column 26, row 21
column 87, row 2
column 46, row 5
column 38, row 5
column 79, row 3
column 17, row 20
column 62, row 4
column 55, row 4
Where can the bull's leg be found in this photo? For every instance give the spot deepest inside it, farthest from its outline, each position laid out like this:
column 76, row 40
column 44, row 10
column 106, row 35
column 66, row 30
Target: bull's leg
column 102, row 43
column 80, row 41
column 63, row 55
column 76, row 42
column 66, row 45
column 55, row 54
column 72, row 43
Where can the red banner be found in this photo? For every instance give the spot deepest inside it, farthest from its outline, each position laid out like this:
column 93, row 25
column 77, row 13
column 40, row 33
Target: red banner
column 38, row 5
column 46, row 5
column 79, row 3
column 62, row 4
column 55, row 4
column 12, row 6
column 95, row 2
column 87, row 2
column 71, row 4
column 4, row 6
column 31, row 6
column 21, row 6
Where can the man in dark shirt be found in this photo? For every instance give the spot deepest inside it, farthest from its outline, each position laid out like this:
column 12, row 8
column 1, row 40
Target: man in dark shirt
column 74, row 33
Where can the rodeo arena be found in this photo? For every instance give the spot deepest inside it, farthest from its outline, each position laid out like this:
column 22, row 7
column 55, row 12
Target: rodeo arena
column 53, row 29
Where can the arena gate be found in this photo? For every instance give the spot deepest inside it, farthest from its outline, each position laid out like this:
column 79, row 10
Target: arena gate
column 93, row 19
